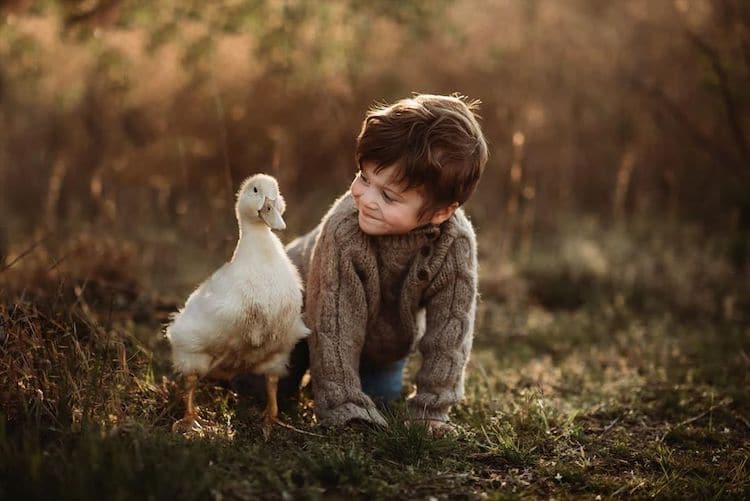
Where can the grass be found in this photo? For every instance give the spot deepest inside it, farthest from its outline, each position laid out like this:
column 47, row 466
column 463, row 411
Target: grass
column 611, row 364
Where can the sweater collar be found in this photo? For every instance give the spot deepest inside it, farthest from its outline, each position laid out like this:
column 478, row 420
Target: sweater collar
column 409, row 243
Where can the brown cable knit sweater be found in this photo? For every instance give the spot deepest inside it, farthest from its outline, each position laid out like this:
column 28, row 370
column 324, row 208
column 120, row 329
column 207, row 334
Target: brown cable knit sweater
column 363, row 295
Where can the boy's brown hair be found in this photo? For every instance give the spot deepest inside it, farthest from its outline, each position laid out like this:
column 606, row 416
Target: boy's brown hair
column 435, row 143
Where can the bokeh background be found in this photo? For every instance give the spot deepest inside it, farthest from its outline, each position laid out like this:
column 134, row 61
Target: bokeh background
column 613, row 329
column 151, row 113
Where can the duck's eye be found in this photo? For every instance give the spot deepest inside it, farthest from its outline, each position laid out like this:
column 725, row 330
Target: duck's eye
column 255, row 189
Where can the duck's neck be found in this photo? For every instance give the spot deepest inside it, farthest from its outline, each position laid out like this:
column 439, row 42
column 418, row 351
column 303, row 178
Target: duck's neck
column 255, row 238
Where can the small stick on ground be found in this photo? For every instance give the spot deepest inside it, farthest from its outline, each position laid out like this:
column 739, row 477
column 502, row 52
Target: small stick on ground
column 293, row 428
column 723, row 403
column 610, row 425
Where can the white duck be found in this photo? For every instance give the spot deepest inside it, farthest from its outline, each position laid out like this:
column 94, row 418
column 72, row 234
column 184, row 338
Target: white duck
column 247, row 316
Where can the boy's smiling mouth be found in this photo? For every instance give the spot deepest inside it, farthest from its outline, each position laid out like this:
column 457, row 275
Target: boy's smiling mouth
column 368, row 216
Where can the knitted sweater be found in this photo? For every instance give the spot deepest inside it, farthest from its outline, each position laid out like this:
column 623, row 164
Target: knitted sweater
column 364, row 302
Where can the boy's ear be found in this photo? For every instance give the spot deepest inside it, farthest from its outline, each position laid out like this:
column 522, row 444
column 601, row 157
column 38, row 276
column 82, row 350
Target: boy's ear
column 442, row 215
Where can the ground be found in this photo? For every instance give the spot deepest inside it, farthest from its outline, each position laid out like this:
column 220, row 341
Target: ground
column 606, row 363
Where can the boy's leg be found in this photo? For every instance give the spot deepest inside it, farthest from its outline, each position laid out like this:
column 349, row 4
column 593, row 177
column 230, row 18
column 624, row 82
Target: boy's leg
column 299, row 362
column 384, row 383
column 254, row 385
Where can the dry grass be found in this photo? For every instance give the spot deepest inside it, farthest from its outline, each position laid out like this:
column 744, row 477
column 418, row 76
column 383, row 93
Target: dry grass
column 636, row 388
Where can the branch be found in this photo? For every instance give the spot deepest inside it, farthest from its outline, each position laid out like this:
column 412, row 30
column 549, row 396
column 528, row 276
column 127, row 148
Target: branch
column 699, row 137
column 730, row 104
column 101, row 14
column 25, row 253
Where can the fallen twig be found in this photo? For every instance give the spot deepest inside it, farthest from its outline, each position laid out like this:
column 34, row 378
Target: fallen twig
column 610, row 425
column 723, row 403
column 293, row 428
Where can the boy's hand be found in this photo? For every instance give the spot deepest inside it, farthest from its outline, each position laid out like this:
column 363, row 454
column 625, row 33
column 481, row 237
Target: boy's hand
column 436, row 428
column 361, row 425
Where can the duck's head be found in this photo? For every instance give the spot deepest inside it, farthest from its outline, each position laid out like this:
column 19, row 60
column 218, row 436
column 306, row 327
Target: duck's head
column 259, row 201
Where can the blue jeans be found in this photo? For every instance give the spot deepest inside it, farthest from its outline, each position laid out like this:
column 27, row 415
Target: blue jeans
column 384, row 383
column 381, row 384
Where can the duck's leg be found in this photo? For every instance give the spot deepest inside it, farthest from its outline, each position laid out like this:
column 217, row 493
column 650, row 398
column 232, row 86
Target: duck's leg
column 271, row 413
column 191, row 421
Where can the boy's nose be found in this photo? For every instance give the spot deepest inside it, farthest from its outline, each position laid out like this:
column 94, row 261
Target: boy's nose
column 368, row 198
column 357, row 190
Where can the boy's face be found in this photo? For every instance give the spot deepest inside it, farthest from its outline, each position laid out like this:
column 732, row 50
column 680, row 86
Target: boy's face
column 385, row 208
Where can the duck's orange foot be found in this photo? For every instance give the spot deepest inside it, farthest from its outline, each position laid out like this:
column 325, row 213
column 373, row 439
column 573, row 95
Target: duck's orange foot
column 191, row 423
column 268, row 421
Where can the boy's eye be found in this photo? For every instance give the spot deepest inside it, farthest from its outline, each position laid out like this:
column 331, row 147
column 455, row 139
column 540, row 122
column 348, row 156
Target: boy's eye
column 387, row 198
column 363, row 178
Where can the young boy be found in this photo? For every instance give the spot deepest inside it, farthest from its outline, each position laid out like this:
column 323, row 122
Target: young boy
column 392, row 266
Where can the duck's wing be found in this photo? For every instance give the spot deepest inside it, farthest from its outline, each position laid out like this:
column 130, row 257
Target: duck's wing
column 212, row 304
column 219, row 285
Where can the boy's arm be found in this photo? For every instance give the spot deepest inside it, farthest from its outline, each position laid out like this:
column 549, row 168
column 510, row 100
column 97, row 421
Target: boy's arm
column 447, row 340
column 336, row 309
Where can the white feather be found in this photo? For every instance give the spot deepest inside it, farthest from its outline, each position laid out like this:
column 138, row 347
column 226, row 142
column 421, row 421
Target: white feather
column 247, row 316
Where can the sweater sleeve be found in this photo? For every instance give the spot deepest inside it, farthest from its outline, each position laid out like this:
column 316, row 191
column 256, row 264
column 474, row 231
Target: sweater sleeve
column 336, row 310
column 445, row 346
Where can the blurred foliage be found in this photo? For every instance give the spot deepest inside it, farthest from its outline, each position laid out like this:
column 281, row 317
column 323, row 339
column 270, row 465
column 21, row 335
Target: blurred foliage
column 158, row 110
